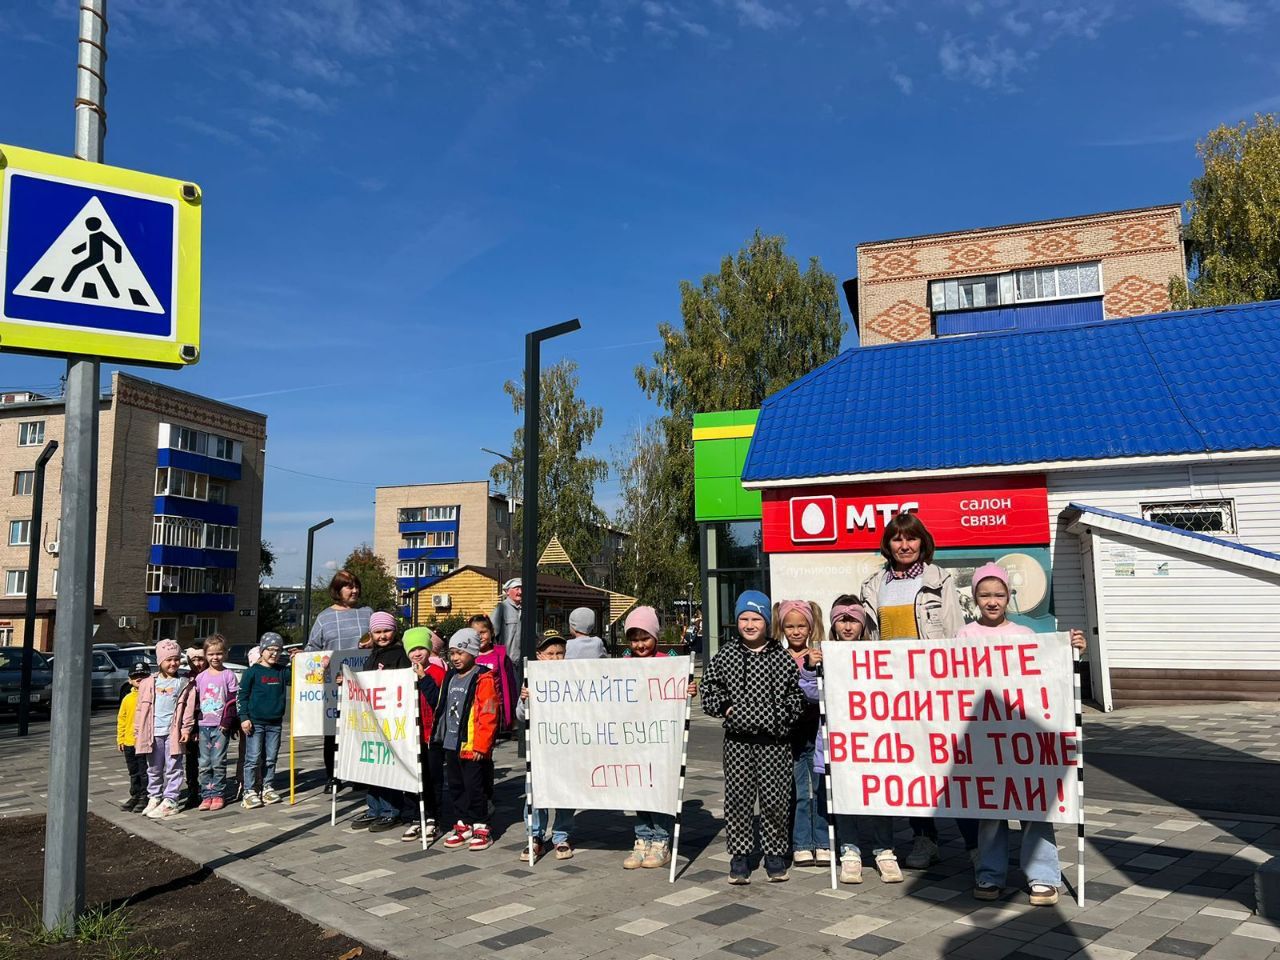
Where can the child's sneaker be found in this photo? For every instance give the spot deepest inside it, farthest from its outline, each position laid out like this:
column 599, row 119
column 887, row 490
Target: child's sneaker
column 822, row 857
column 251, row 800
column 803, row 858
column 205, row 804
column 775, row 869
column 564, row 851
column 152, row 803
column 537, row 852
column 924, row 853
column 216, row 804
column 167, row 808
column 887, row 864
column 986, row 891
column 851, row 868
column 658, row 855
column 636, row 858
column 739, row 871
column 1043, row 895
column 270, row 796
column 458, row 837
column 480, row 839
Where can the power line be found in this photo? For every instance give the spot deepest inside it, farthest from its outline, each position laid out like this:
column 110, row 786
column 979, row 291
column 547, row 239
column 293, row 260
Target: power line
column 316, row 476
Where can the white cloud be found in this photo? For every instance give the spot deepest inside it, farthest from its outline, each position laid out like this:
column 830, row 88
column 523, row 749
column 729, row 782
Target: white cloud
column 757, row 14
column 903, row 81
column 331, row 564
column 1218, row 13
column 988, row 65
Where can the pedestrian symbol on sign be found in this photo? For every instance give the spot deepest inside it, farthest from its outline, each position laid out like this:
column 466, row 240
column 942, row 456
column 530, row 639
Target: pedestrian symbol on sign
column 90, row 264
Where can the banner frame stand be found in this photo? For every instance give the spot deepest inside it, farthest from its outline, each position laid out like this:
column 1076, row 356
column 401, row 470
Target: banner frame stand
column 422, row 800
column 1076, row 668
column 333, row 795
column 684, row 762
column 825, row 732
column 528, row 791
column 293, row 777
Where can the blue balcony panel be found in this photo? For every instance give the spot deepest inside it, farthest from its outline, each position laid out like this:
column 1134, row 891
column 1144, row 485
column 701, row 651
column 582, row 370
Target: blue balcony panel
column 190, row 603
column 429, row 526
column 421, row 583
column 193, row 557
column 220, row 513
column 428, row 553
column 197, row 463
column 1031, row 316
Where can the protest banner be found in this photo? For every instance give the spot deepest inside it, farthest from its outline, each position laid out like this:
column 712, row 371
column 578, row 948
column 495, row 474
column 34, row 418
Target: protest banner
column 378, row 738
column 313, row 697
column 607, row 734
column 962, row 728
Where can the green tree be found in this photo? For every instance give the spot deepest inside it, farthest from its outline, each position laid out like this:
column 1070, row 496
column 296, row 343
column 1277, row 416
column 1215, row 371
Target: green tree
column 1232, row 237
column 567, row 473
column 651, row 565
column 377, row 585
column 748, row 330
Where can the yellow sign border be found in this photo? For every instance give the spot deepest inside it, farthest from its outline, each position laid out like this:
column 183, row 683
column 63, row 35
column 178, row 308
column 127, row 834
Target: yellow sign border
column 56, row 339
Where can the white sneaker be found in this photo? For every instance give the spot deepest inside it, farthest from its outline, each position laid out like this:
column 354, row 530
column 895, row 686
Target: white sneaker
column 851, row 868
column 270, row 796
column 167, row 808
column 152, row 803
column 924, row 853
column 251, row 800
column 802, row 858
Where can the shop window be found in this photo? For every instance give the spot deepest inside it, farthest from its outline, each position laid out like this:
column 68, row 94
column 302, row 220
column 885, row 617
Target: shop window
column 1196, row 516
column 736, row 545
column 31, row 433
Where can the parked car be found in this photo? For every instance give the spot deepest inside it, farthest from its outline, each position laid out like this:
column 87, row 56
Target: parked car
column 110, row 670
column 11, row 679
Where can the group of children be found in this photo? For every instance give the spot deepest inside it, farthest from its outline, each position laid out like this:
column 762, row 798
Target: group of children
column 762, row 685
column 166, row 716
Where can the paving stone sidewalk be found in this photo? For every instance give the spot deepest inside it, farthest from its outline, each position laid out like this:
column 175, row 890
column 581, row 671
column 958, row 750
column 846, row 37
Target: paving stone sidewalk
column 1162, row 881
column 1241, row 732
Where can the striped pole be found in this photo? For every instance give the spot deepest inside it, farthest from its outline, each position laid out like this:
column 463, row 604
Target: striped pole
column 422, row 801
column 825, row 734
column 684, row 763
column 293, row 685
column 1077, row 667
column 337, row 745
column 528, row 787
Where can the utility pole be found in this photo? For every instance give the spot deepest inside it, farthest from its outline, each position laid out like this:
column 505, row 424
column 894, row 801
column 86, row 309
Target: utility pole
column 69, row 728
column 33, row 583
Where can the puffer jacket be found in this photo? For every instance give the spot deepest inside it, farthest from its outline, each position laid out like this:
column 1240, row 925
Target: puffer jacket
column 938, row 612
column 757, row 694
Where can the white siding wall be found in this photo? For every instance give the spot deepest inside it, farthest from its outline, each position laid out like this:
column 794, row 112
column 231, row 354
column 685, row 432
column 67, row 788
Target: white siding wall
column 1253, row 485
column 1182, row 611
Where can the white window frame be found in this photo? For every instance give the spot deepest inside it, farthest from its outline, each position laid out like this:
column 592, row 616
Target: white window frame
column 158, row 632
column 442, row 513
column 6, row 635
column 27, row 430
column 411, row 515
column 55, row 581
column 15, row 582
column 1007, row 287
column 186, row 484
column 1224, row 507
column 20, row 533
column 24, row 478
column 206, row 627
column 415, row 541
column 406, row 568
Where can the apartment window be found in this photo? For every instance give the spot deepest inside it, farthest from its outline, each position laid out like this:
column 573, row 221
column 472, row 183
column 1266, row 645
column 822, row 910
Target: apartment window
column 177, row 531
column 24, row 483
column 55, row 581
column 31, row 433
column 217, row 491
column 164, row 628
column 19, row 533
column 406, row 568
column 1004, row 289
column 172, row 482
column 168, row 579
column 217, row 537
column 413, row 514
column 1196, row 516
column 441, row 538
column 205, row 628
column 6, row 635
column 15, row 582
column 197, row 441
column 219, row 581
column 442, row 513
column 415, row 541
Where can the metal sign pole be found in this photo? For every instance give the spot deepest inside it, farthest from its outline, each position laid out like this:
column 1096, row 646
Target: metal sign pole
column 69, row 730
column 33, row 583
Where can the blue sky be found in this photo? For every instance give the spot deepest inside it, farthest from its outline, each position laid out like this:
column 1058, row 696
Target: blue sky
column 396, row 190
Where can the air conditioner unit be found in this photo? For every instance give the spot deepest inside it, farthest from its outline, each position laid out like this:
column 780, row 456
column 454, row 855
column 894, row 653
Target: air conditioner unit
column 51, row 547
column 441, row 601
column 188, row 619
column 127, row 623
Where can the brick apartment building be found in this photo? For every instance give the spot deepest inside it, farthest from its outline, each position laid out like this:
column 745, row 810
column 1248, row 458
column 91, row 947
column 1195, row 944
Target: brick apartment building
column 1022, row 276
column 179, row 514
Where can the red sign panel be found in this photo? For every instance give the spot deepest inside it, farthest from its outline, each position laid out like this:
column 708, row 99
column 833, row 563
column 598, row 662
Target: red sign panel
column 997, row 511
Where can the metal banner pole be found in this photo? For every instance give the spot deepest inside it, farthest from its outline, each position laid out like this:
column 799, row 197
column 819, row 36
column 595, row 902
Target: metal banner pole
column 684, row 763
column 422, row 802
column 33, row 583
column 1076, row 667
column 293, row 772
column 825, row 733
column 528, row 789
column 69, row 729
column 337, row 746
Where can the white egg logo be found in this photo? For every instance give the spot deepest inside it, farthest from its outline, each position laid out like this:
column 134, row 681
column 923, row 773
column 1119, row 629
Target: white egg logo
column 813, row 521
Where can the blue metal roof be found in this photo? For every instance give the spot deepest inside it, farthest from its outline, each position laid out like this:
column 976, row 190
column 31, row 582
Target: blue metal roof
column 1084, row 508
column 1171, row 383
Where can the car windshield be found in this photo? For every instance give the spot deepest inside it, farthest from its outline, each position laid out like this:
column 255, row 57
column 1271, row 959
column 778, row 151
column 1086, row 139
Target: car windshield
column 11, row 659
column 132, row 656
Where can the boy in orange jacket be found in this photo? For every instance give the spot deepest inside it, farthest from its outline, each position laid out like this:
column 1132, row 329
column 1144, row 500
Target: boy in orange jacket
column 466, row 723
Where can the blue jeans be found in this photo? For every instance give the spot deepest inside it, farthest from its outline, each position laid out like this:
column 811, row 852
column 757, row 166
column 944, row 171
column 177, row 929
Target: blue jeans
column 561, row 825
column 213, row 762
column 655, row 827
column 809, row 822
column 384, row 802
column 263, row 742
column 1039, row 853
column 849, row 828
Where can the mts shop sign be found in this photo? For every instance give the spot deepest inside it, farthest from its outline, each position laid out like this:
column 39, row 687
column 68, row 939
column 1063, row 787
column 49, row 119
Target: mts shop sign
column 959, row 513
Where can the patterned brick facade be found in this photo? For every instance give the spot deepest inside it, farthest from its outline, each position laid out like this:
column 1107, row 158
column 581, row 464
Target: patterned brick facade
column 1140, row 251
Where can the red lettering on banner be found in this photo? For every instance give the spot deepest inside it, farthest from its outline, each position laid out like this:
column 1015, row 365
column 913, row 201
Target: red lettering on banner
column 874, row 661
column 1027, row 659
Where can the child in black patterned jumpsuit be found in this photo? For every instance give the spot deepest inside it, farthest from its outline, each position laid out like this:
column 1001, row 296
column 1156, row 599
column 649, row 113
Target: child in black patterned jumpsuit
column 753, row 684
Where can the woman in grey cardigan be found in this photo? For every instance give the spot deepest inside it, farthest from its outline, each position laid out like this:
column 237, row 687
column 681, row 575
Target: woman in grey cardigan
column 339, row 627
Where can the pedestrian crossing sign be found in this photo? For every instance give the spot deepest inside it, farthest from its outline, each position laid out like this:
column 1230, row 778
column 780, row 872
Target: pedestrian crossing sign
column 97, row 260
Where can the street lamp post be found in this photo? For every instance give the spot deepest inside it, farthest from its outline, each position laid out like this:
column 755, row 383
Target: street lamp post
column 306, row 589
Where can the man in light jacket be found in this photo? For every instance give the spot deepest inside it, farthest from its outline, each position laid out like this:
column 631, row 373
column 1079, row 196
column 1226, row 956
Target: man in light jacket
column 506, row 619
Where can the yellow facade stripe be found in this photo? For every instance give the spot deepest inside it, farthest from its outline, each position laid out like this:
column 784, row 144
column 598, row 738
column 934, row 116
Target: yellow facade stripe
column 723, row 433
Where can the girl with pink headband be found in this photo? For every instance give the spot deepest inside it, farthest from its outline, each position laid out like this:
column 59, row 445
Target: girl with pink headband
column 797, row 625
